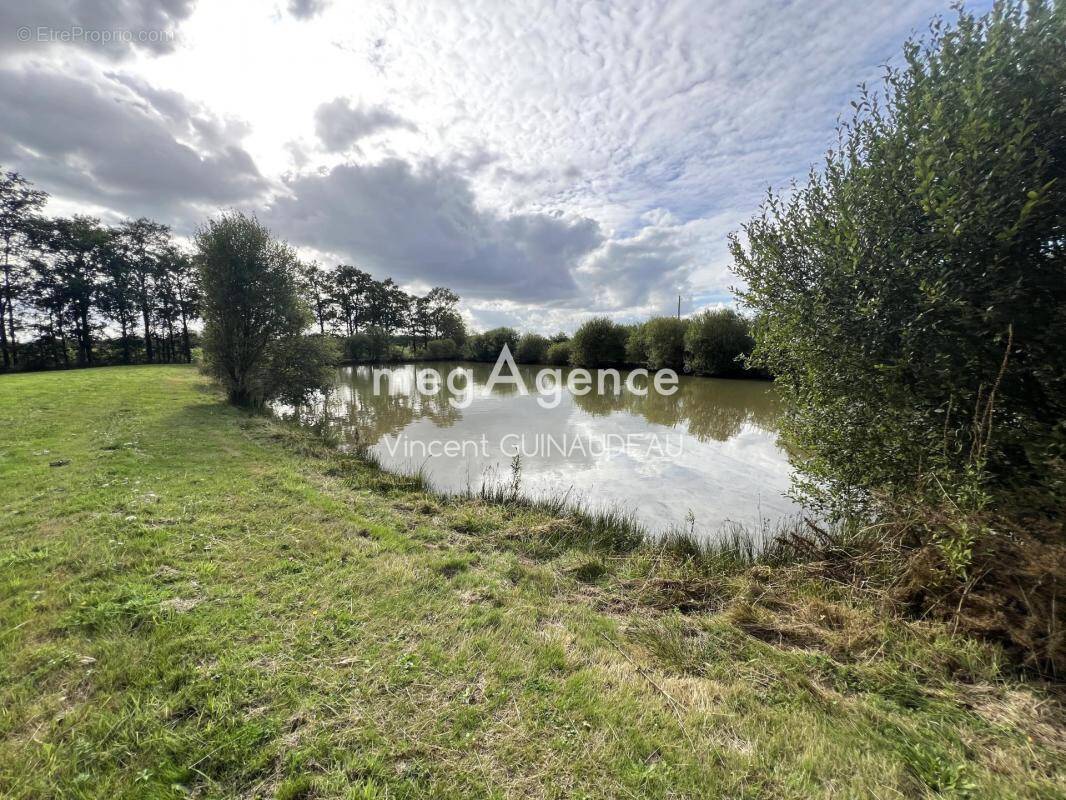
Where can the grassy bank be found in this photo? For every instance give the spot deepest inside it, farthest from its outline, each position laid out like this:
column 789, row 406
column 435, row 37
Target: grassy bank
column 194, row 602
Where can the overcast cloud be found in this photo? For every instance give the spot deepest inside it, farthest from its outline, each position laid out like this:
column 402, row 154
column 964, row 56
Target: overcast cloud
column 338, row 124
column 116, row 143
column 548, row 161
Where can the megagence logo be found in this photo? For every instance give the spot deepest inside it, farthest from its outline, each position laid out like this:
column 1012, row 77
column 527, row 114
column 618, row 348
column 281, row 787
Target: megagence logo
column 548, row 384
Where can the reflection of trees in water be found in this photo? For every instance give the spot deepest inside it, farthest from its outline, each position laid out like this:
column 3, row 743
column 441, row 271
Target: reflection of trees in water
column 715, row 421
column 366, row 416
column 707, row 408
column 369, row 417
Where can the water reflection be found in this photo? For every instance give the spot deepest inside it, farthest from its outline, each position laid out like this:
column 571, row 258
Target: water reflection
column 705, row 408
column 716, row 458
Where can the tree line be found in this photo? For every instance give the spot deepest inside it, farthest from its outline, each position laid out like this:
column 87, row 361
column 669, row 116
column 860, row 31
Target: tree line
column 713, row 343
column 347, row 301
column 77, row 292
column 67, row 280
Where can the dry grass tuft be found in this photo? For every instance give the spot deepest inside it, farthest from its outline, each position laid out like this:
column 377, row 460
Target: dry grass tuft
column 1013, row 592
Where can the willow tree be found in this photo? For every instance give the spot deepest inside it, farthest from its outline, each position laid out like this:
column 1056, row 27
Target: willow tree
column 912, row 294
column 254, row 316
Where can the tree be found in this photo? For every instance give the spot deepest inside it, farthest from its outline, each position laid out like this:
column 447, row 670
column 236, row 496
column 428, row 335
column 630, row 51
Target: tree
column 252, row 313
column 442, row 303
column 449, row 325
column 558, row 353
column 663, row 341
column 446, row 320
column 142, row 243
column 315, row 285
column 19, row 204
column 599, row 342
column 912, row 296
column 189, row 297
column 177, row 300
column 420, row 320
column 117, row 296
column 487, row 346
column 75, row 254
column 717, row 342
column 166, row 305
column 300, row 366
column 636, row 346
column 386, row 306
column 349, row 287
column 532, row 348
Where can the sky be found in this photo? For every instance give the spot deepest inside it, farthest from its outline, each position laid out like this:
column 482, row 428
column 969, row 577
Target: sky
column 549, row 161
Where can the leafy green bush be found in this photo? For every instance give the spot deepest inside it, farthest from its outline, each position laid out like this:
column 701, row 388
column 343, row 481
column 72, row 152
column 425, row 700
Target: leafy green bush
column 599, row 342
column 558, row 354
column 532, row 348
column 356, row 347
column 299, row 366
column 441, row 350
column 664, row 343
column 636, row 346
column 716, row 342
column 374, row 345
column 912, row 295
column 487, row 346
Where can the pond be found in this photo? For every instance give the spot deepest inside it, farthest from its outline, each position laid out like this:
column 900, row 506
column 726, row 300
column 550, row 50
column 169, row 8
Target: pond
column 705, row 458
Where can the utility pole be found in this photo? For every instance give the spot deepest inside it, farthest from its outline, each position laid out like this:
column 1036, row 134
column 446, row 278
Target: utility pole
column 679, row 306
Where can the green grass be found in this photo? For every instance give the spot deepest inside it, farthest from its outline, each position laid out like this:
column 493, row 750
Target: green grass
column 199, row 603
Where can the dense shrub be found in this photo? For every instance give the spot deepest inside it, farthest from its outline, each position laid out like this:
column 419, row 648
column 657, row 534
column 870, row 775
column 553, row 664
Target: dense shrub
column 254, row 317
column 487, row 346
column 716, row 342
column 636, row 346
column 558, row 354
column 299, row 366
column 913, row 308
column 599, row 342
column 532, row 348
column 663, row 341
column 913, row 296
column 374, row 345
column 441, row 350
column 356, row 347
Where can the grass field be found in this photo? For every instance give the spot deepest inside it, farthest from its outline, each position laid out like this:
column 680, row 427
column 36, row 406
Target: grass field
column 199, row 603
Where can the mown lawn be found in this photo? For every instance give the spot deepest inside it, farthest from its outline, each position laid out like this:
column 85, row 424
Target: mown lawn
column 199, row 603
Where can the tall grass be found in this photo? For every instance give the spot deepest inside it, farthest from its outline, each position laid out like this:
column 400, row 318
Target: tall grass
column 616, row 530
